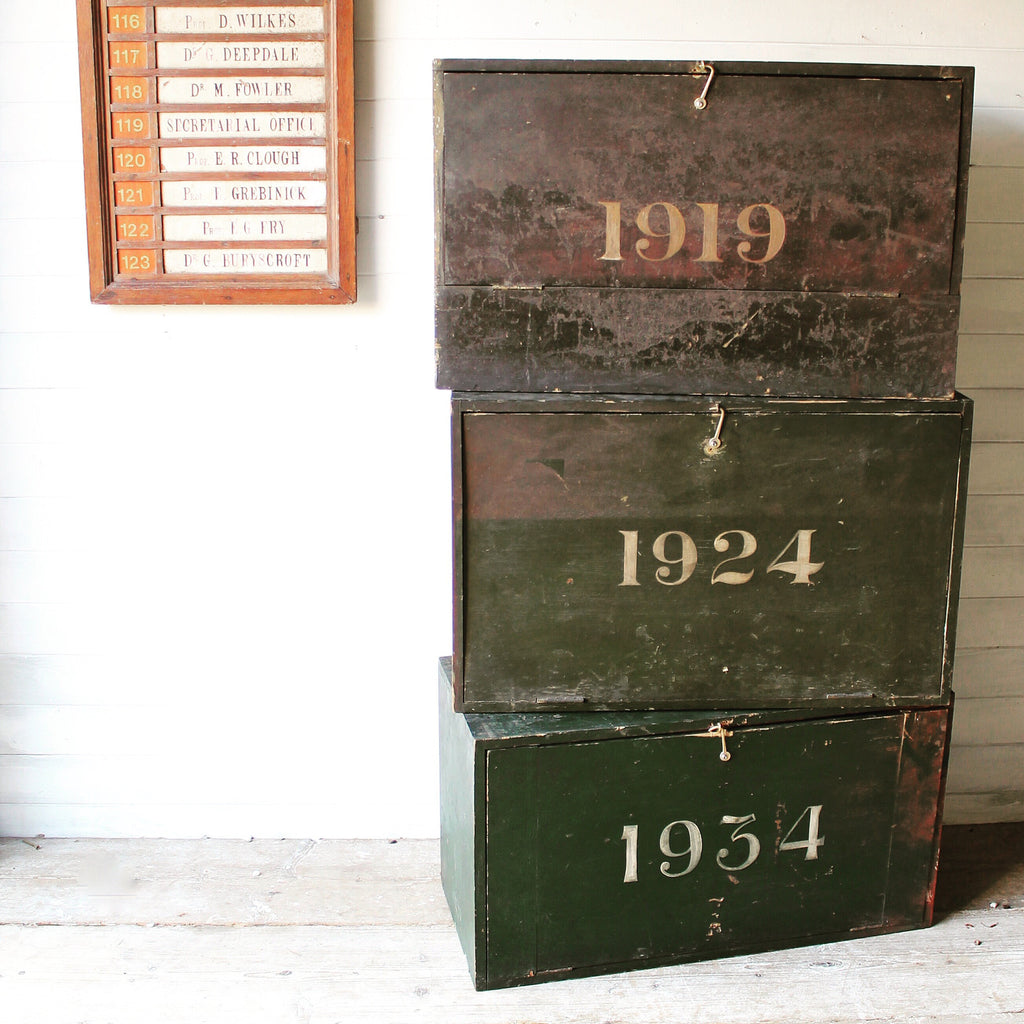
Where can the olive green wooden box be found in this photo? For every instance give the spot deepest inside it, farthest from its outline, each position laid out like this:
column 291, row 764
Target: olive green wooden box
column 681, row 552
column 577, row 844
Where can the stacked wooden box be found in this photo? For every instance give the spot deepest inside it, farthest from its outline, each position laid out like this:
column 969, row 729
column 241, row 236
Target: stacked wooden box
column 709, row 481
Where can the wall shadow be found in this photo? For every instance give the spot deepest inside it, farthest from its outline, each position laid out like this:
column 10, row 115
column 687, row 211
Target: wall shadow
column 974, row 862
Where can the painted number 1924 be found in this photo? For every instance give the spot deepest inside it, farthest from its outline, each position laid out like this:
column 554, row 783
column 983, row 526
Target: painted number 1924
column 676, row 553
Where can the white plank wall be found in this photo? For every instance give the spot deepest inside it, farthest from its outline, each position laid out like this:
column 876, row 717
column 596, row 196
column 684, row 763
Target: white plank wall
column 224, row 533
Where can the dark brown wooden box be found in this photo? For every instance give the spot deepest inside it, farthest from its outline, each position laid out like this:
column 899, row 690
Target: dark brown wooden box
column 665, row 552
column 800, row 235
column 586, row 843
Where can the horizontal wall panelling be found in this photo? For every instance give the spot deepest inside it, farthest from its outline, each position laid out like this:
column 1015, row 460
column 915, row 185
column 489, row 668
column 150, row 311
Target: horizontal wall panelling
column 225, row 534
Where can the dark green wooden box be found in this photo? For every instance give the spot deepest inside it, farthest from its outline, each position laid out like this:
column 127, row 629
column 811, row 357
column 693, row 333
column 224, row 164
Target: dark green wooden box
column 587, row 843
column 653, row 553
column 801, row 234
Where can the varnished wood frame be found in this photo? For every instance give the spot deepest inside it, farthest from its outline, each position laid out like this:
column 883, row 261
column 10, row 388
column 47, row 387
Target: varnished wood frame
column 337, row 286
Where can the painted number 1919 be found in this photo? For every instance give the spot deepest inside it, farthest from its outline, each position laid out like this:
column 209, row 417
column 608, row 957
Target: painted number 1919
column 757, row 221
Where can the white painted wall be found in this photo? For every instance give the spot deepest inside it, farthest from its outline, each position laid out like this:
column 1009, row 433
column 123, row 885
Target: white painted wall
column 224, row 533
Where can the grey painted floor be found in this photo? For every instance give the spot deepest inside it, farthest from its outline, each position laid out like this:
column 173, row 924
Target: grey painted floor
column 219, row 932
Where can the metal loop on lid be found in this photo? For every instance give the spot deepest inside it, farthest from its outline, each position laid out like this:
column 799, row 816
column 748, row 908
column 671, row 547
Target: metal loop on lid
column 714, row 443
column 703, row 69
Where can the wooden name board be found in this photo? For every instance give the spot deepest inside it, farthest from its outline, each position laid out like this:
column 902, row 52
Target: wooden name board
column 631, row 553
column 669, row 227
column 580, row 844
column 219, row 153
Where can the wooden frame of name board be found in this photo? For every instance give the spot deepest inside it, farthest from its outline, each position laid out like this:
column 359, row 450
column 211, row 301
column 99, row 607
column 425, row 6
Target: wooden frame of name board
column 219, row 150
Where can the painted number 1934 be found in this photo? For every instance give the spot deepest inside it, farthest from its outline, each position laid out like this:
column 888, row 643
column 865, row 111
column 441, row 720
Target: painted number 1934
column 682, row 843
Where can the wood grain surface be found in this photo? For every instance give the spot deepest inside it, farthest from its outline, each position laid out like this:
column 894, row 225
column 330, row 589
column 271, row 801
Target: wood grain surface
column 303, row 932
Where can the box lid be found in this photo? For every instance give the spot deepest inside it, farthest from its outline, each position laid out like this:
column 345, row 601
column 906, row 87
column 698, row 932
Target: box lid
column 800, row 233
column 542, row 726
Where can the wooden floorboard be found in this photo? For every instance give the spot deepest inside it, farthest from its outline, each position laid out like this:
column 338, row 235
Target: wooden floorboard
column 345, row 932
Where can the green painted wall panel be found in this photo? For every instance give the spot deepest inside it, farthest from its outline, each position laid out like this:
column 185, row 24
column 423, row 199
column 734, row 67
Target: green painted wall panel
column 459, row 846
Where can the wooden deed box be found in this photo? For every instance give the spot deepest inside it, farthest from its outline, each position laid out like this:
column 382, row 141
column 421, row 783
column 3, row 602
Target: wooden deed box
column 579, row 844
column 671, row 227
column 667, row 552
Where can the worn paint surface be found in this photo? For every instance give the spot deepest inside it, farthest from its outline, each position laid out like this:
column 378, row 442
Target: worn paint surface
column 606, row 559
column 612, row 847
column 921, row 787
column 655, row 341
column 805, row 190
column 530, row 158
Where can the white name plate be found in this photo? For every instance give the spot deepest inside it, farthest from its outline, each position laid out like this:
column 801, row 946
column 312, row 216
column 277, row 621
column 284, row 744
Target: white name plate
column 239, row 20
column 258, row 123
column 293, row 89
column 240, row 55
column 177, row 159
column 244, row 193
column 245, row 261
column 244, row 227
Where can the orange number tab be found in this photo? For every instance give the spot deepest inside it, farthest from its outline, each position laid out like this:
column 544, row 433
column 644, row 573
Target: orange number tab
column 134, row 228
column 128, row 55
column 133, row 193
column 126, row 19
column 132, row 126
column 133, row 159
column 136, row 262
column 129, row 90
